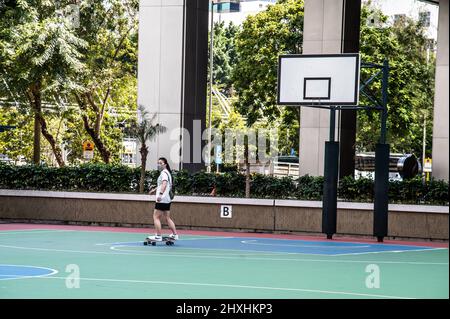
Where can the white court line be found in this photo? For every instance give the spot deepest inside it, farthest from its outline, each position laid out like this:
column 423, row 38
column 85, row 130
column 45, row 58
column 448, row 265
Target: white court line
column 40, row 230
column 219, row 256
column 242, row 251
column 248, row 252
column 157, row 282
column 254, row 242
column 205, row 237
column 134, row 242
column 53, row 272
column 26, row 229
column 391, row 251
column 114, row 245
column 279, row 259
column 33, row 231
column 273, row 253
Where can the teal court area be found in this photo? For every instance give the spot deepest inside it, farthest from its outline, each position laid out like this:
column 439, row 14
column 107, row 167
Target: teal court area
column 56, row 261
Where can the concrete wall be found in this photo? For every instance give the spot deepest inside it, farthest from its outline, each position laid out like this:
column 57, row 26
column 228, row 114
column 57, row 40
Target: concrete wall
column 261, row 215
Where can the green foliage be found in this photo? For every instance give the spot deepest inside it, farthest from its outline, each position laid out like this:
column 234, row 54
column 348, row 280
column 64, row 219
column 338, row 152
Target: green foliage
column 414, row 191
column 360, row 189
column 224, row 54
column 309, row 188
column 263, row 37
column 411, row 83
column 202, row 183
column 263, row 186
column 117, row 178
column 42, row 49
column 230, row 184
column 18, row 142
column 146, row 129
column 183, row 182
column 89, row 177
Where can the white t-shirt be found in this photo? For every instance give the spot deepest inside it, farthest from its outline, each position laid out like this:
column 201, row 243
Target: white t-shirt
column 164, row 176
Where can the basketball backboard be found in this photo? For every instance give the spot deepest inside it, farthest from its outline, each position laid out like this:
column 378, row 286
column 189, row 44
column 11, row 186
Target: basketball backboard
column 318, row 79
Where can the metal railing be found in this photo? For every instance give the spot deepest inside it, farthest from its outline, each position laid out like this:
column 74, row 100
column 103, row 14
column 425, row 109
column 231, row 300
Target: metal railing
column 281, row 169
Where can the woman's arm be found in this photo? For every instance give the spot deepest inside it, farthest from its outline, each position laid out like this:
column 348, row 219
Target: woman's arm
column 163, row 189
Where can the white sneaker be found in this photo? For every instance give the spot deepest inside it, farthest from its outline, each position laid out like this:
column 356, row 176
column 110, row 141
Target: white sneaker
column 155, row 238
column 174, row 237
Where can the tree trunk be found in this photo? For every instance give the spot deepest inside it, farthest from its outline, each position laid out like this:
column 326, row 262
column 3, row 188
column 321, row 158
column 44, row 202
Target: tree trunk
column 104, row 153
column 35, row 98
column 94, row 133
column 37, row 141
column 49, row 137
column 144, row 153
column 247, row 172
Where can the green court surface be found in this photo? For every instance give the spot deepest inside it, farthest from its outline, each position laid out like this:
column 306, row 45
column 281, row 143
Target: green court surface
column 44, row 261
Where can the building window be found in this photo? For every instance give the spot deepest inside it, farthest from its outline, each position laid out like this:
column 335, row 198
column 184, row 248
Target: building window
column 424, row 18
column 431, row 44
column 399, row 17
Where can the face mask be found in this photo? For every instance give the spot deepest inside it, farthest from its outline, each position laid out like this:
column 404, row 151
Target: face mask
column 160, row 167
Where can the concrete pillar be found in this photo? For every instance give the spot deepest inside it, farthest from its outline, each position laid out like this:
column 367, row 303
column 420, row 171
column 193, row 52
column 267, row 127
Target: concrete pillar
column 347, row 123
column 172, row 75
column 441, row 105
column 325, row 27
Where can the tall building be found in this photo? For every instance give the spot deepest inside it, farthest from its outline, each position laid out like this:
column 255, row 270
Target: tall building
column 427, row 12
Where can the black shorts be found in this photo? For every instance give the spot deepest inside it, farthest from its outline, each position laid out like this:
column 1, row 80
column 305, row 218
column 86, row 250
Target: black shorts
column 162, row 206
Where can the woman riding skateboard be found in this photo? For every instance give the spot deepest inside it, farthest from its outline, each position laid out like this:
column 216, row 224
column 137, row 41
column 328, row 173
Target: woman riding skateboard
column 163, row 200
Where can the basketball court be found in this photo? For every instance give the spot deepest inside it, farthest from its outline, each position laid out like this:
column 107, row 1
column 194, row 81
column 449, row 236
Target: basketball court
column 56, row 261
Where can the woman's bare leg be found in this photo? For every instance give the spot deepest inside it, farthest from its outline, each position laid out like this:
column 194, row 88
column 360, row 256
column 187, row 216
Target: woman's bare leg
column 170, row 222
column 157, row 221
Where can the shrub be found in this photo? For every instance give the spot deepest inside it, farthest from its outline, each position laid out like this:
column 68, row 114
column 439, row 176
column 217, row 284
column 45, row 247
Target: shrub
column 117, row 178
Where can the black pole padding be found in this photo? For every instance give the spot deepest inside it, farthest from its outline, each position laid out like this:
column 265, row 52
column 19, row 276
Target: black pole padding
column 381, row 202
column 329, row 201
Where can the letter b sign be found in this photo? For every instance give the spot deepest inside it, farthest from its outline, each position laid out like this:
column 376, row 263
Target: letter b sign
column 226, row 211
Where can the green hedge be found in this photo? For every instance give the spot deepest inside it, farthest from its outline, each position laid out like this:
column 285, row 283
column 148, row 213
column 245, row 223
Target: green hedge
column 110, row 178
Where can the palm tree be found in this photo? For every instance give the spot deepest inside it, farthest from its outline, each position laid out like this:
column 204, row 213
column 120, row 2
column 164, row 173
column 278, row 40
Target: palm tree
column 145, row 131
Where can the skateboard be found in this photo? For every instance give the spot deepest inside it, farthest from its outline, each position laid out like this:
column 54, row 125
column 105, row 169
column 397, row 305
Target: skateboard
column 168, row 240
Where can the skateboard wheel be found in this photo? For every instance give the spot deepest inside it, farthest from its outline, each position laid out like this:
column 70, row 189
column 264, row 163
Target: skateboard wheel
column 145, row 243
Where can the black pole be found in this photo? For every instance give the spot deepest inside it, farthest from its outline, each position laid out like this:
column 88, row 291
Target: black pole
column 332, row 123
column 329, row 201
column 384, row 101
column 381, row 200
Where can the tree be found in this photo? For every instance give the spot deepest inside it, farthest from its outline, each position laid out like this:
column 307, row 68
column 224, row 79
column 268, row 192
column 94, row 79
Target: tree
column 145, row 131
column 18, row 142
column 39, row 55
column 110, row 30
column 411, row 82
column 224, row 55
column 105, row 86
column 263, row 37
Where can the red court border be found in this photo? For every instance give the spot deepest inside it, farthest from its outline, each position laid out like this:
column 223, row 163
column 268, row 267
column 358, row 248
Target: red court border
column 12, row 227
